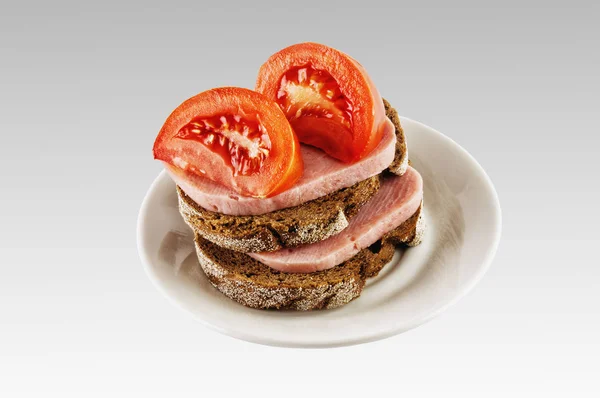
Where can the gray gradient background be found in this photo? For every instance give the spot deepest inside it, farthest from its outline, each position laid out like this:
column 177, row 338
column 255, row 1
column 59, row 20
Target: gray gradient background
column 85, row 88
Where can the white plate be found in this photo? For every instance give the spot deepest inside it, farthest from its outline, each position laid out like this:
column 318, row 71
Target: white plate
column 463, row 230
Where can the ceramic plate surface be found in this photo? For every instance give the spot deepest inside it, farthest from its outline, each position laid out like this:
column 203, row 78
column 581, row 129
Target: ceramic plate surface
column 463, row 219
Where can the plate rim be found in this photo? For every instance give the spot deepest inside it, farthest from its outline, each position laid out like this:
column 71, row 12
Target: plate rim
column 376, row 335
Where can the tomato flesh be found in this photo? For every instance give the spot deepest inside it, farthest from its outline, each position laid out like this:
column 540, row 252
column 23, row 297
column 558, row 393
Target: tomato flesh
column 305, row 91
column 235, row 137
column 328, row 97
column 243, row 144
column 319, row 112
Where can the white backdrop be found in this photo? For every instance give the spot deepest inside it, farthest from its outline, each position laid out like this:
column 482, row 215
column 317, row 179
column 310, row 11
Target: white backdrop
column 84, row 90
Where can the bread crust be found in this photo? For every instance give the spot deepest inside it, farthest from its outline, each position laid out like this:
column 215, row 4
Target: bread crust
column 400, row 163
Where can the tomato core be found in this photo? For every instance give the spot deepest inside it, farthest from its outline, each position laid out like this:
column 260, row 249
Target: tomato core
column 243, row 143
column 308, row 92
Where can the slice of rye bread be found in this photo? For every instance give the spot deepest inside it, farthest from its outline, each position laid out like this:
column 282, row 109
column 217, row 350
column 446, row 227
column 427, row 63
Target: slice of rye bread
column 307, row 223
column 400, row 163
column 253, row 284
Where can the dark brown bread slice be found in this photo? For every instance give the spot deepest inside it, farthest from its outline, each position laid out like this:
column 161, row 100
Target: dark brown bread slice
column 307, row 223
column 400, row 163
column 255, row 285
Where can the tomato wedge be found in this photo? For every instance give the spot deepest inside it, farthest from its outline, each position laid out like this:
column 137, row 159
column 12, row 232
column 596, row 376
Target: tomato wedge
column 328, row 97
column 233, row 136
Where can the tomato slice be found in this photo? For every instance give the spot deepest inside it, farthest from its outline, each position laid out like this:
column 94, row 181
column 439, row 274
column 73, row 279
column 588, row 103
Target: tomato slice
column 234, row 136
column 328, row 97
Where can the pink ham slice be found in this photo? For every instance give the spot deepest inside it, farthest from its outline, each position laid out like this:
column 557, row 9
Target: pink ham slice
column 397, row 200
column 322, row 175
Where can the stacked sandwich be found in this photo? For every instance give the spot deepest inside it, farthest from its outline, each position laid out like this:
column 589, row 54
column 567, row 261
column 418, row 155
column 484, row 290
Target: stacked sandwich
column 299, row 191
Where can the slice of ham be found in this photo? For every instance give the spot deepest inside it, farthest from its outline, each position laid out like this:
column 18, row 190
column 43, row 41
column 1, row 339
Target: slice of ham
column 322, row 176
column 395, row 202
